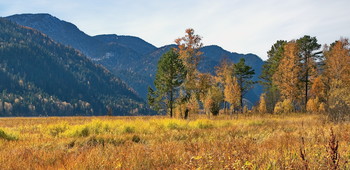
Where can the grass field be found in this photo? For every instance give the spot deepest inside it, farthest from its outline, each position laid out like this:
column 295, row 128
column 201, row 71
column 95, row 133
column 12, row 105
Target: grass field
column 249, row 142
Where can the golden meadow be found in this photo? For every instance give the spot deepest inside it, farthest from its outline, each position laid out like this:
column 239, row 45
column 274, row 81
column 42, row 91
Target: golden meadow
column 292, row 141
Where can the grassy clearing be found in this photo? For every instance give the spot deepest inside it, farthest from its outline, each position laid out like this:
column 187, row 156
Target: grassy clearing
column 251, row 142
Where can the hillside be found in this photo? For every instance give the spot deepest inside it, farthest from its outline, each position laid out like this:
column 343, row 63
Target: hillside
column 42, row 77
column 130, row 58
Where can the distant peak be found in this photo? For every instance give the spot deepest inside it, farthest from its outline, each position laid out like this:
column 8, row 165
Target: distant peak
column 107, row 35
column 33, row 15
column 214, row 46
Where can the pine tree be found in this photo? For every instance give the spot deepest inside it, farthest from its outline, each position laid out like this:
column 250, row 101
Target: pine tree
column 270, row 66
column 306, row 48
column 170, row 75
column 244, row 74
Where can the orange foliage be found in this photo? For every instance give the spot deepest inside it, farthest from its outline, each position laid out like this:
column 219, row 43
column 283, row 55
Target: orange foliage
column 287, row 75
column 262, row 104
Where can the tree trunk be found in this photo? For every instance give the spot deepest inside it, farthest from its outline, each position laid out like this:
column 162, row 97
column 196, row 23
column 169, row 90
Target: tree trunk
column 186, row 113
column 225, row 108
column 171, row 104
column 241, row 104
column 306, row 83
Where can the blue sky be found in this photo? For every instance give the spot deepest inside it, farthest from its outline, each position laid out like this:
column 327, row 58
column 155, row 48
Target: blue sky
column 243, row 26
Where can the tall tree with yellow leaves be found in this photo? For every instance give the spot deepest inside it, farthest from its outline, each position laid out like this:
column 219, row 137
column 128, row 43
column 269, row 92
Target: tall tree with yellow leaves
column 270, row 66
column 262, row 104
column 189, row 52
column 223, row 71
column 203, row 83
column 287, row 75
column 337, row 70
column 318, row 89
column 232, row 92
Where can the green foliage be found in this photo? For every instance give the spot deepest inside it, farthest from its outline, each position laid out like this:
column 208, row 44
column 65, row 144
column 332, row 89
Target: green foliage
column 8, row 135
column 57, row 129
column 244, row 75
column 308, row 54
column 170, row 75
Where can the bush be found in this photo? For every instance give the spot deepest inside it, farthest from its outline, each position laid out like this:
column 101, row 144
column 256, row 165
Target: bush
column 7, row 135
column 128, row 129
column 278, row 108
column 284, row 107
column 77, row 131
column 339, row 104
column 57, row 129
column 312, row 105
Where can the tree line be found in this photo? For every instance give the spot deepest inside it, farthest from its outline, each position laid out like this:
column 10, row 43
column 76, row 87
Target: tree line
column 298, row 76
column 181, row 89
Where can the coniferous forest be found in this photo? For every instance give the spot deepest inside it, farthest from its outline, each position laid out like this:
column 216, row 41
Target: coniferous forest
column 40, row 77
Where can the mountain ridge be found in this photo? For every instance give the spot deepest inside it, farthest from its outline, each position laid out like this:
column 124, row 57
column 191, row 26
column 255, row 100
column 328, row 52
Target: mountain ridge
column 42, row 77
column 136, row 64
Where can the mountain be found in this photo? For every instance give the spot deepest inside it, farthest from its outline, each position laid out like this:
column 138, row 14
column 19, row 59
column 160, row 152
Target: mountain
column 42, row 77
column 130, row 58
column 139, row 45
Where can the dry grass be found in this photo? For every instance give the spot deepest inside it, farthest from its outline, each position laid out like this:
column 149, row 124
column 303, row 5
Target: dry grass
column 249, row 142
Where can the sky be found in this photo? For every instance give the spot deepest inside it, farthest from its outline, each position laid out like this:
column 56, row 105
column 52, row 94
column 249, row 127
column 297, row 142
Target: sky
column 242, row 26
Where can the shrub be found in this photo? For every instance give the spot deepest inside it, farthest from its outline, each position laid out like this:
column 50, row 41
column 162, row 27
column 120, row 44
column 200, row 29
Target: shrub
column 57, row 129
column 8, row 135
column 284, row 107
column 262, row 104
column 77, row 131
column 287, row 106
column 203, row 124
column 339, row 104
column 136, row 139
column 128, row 129
column 322, row 107
column 278, row 108
column 312, row 105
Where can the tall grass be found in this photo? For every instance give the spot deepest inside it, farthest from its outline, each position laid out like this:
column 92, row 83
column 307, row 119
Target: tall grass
column 252, row 142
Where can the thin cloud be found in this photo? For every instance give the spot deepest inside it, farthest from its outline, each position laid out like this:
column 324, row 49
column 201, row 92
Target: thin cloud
column 250, row 26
